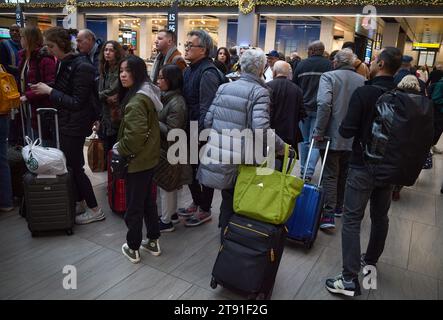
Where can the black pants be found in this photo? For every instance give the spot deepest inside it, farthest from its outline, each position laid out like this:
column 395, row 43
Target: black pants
column 334, row 179
column 226, row 209
column 72, row 147
column 201, row 195
column 360, row 188
column 140, row 206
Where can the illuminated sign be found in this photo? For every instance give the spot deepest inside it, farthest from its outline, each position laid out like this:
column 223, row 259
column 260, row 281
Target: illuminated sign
column 424, row 46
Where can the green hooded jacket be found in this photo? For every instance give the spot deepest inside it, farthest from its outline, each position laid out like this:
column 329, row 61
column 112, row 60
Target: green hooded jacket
column 139, row 133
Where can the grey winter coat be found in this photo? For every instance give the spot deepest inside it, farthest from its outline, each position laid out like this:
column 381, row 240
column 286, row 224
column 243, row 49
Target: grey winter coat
column 334, row 92
column 237, row 105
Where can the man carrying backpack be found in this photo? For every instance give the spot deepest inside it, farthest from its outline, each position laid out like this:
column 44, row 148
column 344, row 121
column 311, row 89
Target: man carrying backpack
column 361, row 184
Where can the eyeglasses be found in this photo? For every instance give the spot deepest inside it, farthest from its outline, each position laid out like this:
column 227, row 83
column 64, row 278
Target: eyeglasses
column 190, row 45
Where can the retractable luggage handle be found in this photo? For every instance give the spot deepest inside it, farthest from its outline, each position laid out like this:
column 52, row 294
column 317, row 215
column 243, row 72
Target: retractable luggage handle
column 23, row 106
column 39, row 111
column 328, row 142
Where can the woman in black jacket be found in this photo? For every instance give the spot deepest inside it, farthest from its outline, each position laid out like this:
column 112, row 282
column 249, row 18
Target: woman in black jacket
column 72, row 94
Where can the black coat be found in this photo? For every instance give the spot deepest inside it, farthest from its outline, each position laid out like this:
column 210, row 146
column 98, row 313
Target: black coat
column 361, row 113
column 286, row 109
column 72, row 94
column 201, row 81
column 307, row 76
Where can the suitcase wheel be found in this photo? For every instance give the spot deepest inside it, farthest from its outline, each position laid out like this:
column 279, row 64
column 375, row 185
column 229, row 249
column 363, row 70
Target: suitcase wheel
column 213, row 283
column 69, row 232
column 308, row 244
column 22, row 210
column 260, row 296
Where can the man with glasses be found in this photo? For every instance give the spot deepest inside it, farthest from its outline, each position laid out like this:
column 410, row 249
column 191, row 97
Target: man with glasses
column 201, row 81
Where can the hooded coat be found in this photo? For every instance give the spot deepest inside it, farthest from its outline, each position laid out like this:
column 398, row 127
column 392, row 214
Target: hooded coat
column 139, row 133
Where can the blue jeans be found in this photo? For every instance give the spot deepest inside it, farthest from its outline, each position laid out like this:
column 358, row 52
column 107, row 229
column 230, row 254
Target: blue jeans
column 307, row 129
column 5, row 173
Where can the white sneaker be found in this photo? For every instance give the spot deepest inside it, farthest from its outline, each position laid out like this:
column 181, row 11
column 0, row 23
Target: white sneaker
column 79, row 208
column 90, row 216
column 435, row 150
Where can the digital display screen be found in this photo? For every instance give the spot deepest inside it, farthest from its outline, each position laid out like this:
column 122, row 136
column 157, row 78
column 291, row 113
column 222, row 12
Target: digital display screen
column 4, row 33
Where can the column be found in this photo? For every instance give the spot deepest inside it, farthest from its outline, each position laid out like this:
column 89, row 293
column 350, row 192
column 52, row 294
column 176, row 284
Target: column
column 349, row 36
column 271, row 27
column 248, row 28
column 181, row 36
column 53, row 21
column 390, row 34
column 112, row 26
column 401, row 41
column 81, row 21
column 327, row 33
column 222, row 32
column 145, row 38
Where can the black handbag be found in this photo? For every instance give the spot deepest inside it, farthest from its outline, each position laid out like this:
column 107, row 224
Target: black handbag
column 119, row 164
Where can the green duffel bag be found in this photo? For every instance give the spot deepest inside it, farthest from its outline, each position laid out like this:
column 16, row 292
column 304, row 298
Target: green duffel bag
column 267, row 197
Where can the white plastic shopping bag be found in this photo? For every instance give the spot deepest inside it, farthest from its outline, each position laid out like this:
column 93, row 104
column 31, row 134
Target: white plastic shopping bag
column 43, row 160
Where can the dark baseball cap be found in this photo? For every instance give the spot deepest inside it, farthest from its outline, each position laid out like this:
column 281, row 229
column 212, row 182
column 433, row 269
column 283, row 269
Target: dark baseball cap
column 273, row 53
column 406, row 59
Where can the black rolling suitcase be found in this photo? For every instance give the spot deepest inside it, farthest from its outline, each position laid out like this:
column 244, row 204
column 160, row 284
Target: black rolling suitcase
column 48, row 200
column 249, row 257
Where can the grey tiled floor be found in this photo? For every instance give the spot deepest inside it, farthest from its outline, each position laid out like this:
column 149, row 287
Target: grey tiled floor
column 31, row 268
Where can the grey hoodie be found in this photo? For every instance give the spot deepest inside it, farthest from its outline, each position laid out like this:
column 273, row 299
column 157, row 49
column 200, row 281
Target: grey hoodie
column 153, row 93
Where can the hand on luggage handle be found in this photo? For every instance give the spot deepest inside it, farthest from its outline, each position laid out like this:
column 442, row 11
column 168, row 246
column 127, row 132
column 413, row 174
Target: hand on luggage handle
column 328, row 142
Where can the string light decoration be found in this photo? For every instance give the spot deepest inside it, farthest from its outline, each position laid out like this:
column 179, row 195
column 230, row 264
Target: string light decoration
column 225, row 3
column 246, row 6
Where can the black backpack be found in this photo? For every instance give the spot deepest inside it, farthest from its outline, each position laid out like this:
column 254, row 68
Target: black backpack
column 401, row 136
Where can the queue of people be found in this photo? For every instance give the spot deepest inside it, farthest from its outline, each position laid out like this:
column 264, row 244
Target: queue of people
column 297, row 101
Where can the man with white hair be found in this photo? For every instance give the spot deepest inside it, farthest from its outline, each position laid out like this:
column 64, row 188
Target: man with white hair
column 334, row 92
column 286, row 104
column 237, row 105
column 89, row 45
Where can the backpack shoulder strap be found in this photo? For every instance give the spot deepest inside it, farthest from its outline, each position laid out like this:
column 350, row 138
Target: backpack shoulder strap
column 221, row 77
column 384, row 89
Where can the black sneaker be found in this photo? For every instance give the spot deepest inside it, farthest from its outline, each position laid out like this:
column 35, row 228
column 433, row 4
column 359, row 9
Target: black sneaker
column 166, row 227
column 364, row 265
column 132, row 255
column 340, row 286
column 175, row 219
column 151, row 246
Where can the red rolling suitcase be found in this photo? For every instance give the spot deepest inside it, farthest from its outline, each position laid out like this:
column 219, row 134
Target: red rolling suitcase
column 117, row 189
